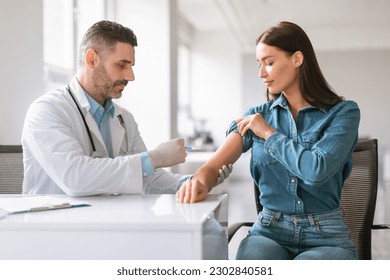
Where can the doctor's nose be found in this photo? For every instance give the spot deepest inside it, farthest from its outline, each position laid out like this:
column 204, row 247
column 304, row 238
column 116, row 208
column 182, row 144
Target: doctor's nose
column 129, row 75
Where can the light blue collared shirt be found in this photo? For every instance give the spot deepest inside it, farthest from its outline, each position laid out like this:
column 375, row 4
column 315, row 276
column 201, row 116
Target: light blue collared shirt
column 101, row 115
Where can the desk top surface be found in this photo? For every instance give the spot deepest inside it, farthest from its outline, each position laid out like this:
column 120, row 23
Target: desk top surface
column 120, row 212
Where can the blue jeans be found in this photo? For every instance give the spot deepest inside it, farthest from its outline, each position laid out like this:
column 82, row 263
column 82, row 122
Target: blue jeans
column 278, row 236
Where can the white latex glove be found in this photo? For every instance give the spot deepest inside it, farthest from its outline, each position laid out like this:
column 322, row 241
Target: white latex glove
column 169, row 153
column 224, row 173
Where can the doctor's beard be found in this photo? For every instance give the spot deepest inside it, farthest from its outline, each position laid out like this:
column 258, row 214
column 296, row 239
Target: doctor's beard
column 104, row 86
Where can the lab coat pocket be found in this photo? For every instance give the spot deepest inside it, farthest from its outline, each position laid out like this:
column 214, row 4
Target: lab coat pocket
column 125, row 148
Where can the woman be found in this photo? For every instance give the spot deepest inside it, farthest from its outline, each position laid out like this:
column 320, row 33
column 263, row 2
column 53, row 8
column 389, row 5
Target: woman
column 301, row 143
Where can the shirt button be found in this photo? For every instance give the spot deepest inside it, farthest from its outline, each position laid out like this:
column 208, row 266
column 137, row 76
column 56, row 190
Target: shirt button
column 292, row 180
column 299, row 202
column 145, row 174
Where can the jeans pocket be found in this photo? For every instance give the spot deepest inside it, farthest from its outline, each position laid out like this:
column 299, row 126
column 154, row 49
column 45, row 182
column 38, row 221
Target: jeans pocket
column 333, row 227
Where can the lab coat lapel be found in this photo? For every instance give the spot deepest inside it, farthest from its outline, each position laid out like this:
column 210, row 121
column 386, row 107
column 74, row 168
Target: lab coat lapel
column 95, row 133
column 84, row 104
column 118, row 131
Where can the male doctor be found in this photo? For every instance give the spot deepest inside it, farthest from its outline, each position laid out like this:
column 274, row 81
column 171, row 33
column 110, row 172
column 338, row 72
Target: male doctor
column 77, row 141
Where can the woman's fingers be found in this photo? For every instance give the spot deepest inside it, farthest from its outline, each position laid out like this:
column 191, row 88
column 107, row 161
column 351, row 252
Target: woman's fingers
column 187, row 193
column 192, row 191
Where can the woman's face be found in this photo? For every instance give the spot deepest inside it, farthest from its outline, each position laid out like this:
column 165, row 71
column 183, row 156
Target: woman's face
column 278, row 69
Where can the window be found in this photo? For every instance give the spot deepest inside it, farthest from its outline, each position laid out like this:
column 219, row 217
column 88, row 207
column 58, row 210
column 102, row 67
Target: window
column 64, row 23
column 185, row 124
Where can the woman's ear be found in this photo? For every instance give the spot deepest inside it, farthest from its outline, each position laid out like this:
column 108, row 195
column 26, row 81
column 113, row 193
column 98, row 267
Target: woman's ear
column 91, row 58
column 297, row 58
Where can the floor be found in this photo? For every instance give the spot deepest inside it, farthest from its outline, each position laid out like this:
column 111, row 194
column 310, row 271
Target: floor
column 242, row 208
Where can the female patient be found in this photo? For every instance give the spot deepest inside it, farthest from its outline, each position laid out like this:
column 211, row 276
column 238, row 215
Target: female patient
column 301, row 144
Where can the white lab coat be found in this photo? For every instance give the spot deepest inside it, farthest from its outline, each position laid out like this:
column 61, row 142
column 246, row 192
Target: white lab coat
column 57, row 151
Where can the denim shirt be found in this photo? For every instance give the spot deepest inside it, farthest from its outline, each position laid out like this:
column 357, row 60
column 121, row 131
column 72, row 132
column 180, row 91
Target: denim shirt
column 301, row 168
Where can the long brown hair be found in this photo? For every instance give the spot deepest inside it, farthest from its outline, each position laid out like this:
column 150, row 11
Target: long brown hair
column 291, row 38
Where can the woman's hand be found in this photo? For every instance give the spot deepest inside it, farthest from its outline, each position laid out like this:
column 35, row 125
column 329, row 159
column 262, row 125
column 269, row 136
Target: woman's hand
column 257, row 124
column 197, row 188
column 192, row 191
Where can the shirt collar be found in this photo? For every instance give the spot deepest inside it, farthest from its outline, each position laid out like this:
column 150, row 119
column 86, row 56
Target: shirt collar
column 282, row 102
column 108, row 106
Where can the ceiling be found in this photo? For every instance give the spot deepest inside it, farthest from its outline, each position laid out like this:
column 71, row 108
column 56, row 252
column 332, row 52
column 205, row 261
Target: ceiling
column 332, row 24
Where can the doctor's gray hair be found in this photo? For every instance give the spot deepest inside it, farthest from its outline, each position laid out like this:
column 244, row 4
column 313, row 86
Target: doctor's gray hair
column 103, row 37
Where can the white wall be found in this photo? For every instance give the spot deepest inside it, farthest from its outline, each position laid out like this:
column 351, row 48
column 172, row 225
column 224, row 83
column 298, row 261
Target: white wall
column 253, row 90
column 216, row 81
column 148, row 97
column 363, row 76
column 21, row 67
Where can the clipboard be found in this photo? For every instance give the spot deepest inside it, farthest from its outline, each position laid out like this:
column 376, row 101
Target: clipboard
column 23, row 204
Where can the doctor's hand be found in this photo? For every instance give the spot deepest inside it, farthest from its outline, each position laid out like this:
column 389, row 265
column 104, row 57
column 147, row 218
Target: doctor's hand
column 192, row 191
column 224, row 173
column 169, row 153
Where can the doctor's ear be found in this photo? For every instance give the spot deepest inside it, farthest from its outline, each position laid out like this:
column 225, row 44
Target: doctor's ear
column 91, row 58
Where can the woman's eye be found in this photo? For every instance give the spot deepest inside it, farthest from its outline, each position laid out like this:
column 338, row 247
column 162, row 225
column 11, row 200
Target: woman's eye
column 266, row 63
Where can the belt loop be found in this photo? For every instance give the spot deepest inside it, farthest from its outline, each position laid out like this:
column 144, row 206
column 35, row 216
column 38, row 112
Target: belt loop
column 342, row 211
column 277, row 216
column 311, row 220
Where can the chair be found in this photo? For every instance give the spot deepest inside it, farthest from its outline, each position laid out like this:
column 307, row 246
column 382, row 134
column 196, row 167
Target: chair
column 11, row 169
column 358, row 198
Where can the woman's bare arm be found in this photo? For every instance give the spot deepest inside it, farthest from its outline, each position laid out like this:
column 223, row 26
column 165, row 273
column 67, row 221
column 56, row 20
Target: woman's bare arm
column 206, row 177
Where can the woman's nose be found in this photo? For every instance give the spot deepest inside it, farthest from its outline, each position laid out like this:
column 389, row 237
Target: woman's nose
column 262, row 72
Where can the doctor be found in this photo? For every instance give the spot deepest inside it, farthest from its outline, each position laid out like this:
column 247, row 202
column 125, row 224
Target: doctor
column 77, row 141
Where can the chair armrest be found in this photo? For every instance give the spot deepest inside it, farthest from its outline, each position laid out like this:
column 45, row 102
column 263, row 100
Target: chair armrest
column 380, row 226
column 235, row 227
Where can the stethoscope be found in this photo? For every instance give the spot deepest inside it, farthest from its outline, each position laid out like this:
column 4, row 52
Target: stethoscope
column 95, row 153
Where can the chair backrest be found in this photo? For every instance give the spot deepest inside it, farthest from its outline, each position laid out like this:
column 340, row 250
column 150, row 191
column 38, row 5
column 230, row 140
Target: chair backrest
column 11, row 169
column 358, row 199
column 359, row 195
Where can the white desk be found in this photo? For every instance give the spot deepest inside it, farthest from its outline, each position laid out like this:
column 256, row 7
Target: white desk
column 119, row 227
